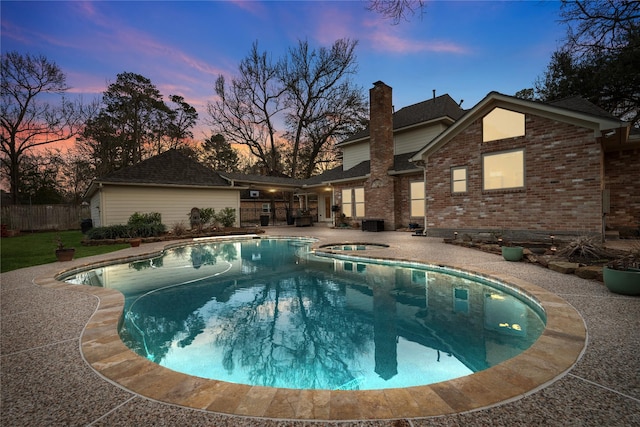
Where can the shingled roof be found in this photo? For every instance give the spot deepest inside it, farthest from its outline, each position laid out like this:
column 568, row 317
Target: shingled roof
column 442, row 106
column 577, row 103
column 169, row 168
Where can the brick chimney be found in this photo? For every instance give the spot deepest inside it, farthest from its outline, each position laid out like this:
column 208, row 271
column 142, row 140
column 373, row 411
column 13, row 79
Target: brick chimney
column 379, row 188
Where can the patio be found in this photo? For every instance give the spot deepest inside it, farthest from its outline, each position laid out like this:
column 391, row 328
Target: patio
column 46, row 380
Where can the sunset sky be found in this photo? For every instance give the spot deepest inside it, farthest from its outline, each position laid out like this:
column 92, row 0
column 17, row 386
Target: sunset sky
column 463, row 48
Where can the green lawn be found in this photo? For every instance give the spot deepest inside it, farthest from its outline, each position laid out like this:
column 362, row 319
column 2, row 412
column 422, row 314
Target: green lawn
column 32, row 249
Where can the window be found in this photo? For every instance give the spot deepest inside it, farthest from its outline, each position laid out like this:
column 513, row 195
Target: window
column 358, row 194
column 353, row 202
column 346, row 202
column 459, row 180
column 503, row 170
column 416, row 194
column 266, row 207
column 501, row 123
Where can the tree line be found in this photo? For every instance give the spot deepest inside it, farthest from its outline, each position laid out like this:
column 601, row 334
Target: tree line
column 286, row 112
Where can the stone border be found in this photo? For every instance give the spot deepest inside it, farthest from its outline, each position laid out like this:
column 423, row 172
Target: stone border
column 558, row 349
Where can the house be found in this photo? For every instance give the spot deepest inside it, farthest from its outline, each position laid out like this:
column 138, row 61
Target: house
column 170, row 183
column 532, row 169
column 376, row 181
column 507, row 165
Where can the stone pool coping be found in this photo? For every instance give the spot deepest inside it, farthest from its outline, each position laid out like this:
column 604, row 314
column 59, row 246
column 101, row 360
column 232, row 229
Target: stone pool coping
column 556, row 351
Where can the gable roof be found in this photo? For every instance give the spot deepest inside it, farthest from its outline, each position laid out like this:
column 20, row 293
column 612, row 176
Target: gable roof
column 442, row 107
column 575, row 110
column 170, row 168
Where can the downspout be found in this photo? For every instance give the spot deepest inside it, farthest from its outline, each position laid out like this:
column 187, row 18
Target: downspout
column 424, row 179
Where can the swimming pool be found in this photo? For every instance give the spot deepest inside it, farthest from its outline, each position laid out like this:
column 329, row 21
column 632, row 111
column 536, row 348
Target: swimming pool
column 269, row 312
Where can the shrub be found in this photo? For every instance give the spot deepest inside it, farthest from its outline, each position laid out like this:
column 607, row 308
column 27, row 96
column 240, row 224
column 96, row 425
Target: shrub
column 226, row 217
column 178, row 229
column 139, row 225
column 145, row 218
column 207, row 215
column 146, row 224
column 147, row 230
column 110, row 232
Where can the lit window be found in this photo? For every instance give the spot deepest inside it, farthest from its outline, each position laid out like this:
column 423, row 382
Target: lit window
column 266, row 207
column 416, row 190
column 503, row 170
column 346, row 202
column 459, row 180
column 358, row 195
column 353, row 202
column 501, row 123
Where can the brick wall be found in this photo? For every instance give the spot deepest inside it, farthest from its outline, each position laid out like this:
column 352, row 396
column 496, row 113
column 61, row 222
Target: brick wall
column 403, row 200
column 622, row 171
column 562, row 182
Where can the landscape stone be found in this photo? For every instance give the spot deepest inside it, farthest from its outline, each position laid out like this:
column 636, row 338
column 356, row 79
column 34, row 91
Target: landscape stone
column 563, row 267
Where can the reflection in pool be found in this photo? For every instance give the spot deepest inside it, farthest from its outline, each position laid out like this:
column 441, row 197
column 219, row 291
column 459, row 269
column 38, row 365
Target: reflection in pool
column 268, row 312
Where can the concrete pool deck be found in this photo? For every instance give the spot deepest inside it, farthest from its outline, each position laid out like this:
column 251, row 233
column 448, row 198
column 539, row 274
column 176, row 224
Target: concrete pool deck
column 55, row 339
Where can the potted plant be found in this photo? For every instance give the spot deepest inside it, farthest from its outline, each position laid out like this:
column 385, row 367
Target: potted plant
column 135, row 242
column 622, row 275
column 62, row 253
column 510, row 252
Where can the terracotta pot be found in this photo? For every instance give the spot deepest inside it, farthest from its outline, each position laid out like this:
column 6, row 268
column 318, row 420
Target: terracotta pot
column 135, row 242
column 65, row 254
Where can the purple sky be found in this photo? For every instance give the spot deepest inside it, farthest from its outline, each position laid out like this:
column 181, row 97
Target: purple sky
column 464, row 48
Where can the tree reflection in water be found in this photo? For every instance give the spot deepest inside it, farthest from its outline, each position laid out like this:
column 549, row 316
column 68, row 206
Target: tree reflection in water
column 267, row 313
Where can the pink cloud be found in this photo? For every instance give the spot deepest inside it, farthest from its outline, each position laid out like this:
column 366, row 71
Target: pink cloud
column 392, row 43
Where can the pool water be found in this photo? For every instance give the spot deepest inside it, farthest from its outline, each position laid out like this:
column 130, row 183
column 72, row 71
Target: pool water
column 269, row 312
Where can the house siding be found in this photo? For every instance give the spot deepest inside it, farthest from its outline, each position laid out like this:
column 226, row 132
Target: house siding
column 624, row 214
column 415, row 139
column 355, row 154
column 174, row 204
column 563, row 183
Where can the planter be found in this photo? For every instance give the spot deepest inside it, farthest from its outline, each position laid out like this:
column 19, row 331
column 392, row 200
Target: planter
column 135, row 242
column 65, row 254
column 304, row 221
column 512, row 253
column 624, row 282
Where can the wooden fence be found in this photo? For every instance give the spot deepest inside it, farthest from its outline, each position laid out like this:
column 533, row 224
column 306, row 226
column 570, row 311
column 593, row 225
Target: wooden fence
column 43, row 217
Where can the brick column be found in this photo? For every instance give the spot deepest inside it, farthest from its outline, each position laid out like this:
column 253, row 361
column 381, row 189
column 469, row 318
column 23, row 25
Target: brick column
column 379, row 188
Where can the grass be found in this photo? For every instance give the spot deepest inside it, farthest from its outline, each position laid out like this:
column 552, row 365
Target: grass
column 32, row 249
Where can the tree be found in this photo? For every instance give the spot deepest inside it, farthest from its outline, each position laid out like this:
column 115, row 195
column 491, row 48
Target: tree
column 40, row 183
column 27, row 121
column 307, row 92
column 181, row 120
column 246, row 110
column 396, row 10
column 321, row 102
column 600, row 60
column 219, row 154
column 76, row 174
column 135, row 123
column 599, row 25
